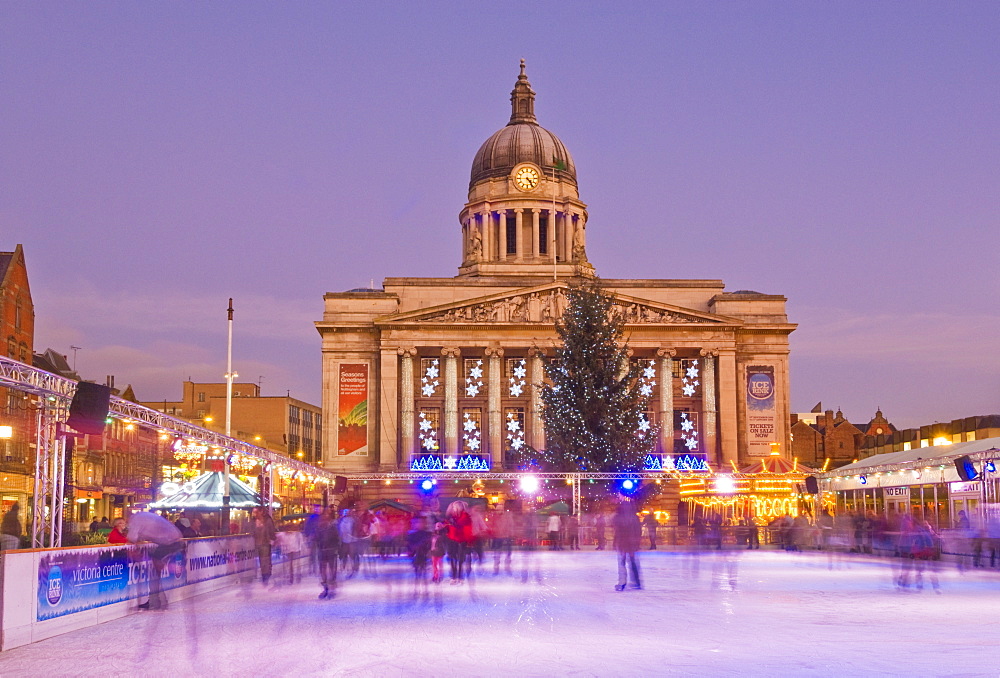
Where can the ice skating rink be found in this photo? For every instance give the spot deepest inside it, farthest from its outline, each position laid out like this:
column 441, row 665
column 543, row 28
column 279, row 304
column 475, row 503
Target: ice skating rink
column 738, row 613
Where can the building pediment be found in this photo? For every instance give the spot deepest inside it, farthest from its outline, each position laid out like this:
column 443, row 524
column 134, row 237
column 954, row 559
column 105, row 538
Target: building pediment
column 545, row 304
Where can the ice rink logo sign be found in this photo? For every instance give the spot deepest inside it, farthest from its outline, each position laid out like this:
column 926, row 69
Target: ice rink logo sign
column 54, row 591
column 760, row 386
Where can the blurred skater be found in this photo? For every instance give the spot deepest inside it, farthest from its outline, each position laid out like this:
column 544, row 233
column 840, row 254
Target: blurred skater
column 460, row 539
column 628, row 535
column 649, row 522
column 327, row 539
column 262, row 527
column 154, row 528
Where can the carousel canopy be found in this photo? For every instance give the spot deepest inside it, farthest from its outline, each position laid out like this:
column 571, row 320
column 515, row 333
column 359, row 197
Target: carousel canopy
column 383, row 504
column 555, row 507
column 777, row 465
column 206, row 491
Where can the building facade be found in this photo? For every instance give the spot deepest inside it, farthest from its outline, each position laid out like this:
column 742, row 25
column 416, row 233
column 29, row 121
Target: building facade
column 283, row 424
column 445, row 372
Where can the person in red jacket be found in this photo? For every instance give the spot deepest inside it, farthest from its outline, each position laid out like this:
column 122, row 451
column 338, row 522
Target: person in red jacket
column 117, row 534
column 460, row 539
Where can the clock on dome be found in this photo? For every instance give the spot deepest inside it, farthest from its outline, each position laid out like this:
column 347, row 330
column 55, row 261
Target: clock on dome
column 526, row 177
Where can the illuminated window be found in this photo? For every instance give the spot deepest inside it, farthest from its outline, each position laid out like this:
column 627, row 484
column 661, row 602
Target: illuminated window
column 472, row 430
column 474, row 373
column 430, row 376
column 517, row 377
column 428, row 420
column 514, row 428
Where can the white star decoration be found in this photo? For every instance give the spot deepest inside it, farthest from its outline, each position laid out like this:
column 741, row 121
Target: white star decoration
column 517, row 443
column 427, row 390
column 425, row 425
column 469, row 425
column 450, row 462
column 688, row 390
column 474, row 444
column 513, row 425
column 472, row 390
column 477, row 371
column 516, row 390
column 646, row 390
column 649, row 372
column 692, row 372
column 520, row 372
column 644, row 424
column 686, row 424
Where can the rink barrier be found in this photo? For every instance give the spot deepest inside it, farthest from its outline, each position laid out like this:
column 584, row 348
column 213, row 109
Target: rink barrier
column 47, row 592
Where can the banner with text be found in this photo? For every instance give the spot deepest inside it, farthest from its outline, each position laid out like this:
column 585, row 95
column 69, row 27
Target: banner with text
column 761, row 410
column 352, row 409
column 73, row 580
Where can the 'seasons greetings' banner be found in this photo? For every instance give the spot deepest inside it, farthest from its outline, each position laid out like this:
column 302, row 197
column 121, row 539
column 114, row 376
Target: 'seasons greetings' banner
column 352, row 409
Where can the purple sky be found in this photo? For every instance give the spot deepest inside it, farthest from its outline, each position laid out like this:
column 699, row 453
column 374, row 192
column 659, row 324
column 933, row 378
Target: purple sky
column 158, row 158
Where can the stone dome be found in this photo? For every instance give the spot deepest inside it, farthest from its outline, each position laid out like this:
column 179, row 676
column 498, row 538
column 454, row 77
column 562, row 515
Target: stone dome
column 522, row 140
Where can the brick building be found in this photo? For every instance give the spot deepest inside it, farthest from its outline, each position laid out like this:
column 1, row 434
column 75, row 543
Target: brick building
column 824, row 439
column 17, row 330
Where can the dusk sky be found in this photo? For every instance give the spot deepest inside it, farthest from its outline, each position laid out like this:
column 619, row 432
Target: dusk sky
column 159, row 158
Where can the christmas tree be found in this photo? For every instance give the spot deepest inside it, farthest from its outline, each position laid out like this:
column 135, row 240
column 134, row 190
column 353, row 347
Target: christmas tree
column 594, row 405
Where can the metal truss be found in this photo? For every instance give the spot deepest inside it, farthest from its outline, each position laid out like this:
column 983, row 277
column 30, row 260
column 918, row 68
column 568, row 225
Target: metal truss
column 517, row 475
column 55, row 394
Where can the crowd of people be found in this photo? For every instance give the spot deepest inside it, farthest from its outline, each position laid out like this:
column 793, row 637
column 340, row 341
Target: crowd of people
column 440, row 546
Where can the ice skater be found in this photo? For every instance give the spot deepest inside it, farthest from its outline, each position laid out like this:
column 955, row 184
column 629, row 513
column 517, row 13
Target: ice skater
column 327, row 539
column 628, row 535
column 154, row 528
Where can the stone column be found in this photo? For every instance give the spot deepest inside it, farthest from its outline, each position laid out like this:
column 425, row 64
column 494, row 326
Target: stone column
column 666, row 409
column 493, row 413
column 450, row 424
column 488, row 236
column 406, row 403
column 570, row 232
column 553, row 236
column 518, row 234
column 388, row 381
column 535, row 230
column 536, row 376
column 728, row 397
column 709, row 416
column 502, row 233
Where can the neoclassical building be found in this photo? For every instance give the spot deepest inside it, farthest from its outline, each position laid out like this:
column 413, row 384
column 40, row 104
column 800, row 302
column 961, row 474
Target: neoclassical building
column 443, row 372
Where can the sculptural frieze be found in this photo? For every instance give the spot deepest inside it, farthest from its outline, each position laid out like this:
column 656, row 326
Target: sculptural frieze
column 547, row 306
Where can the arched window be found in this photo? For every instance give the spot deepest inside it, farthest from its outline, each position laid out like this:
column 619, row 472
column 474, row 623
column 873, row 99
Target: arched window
column 12, row 347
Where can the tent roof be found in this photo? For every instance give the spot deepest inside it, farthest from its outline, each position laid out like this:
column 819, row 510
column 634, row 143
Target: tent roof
column 206, row 491
column 937, row 453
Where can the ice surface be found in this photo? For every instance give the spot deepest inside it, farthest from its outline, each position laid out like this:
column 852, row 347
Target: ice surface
column 734, row 613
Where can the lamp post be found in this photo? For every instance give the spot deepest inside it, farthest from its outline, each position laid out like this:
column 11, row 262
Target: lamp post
column 230, row 375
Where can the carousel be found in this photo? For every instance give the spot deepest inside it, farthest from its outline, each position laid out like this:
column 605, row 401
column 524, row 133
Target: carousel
column 767, row 489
